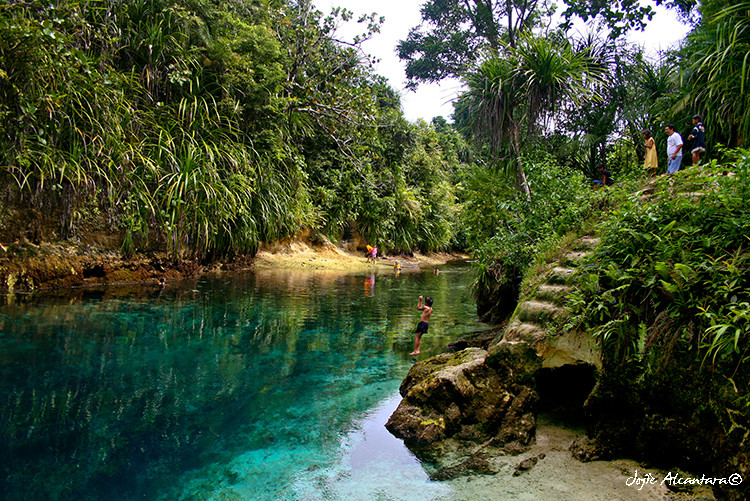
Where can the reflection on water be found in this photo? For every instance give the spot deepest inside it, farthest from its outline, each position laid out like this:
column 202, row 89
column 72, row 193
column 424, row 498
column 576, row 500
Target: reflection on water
column 217, row 387
column 373, row 465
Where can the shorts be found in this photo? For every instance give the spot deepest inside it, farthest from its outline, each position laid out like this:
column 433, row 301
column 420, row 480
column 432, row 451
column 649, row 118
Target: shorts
column 699, row 149
column 422, row 327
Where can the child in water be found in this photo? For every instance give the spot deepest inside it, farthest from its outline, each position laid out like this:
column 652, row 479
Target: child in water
column 424, row 322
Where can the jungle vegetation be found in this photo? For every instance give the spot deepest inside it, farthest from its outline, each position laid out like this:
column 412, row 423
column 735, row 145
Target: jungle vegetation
column 205, row 129
column 670, row 280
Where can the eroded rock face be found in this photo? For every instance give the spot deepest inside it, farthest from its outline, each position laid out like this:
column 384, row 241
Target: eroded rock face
column 673, row 416
column 466, row 396
column 494, row 306
column 26, row 267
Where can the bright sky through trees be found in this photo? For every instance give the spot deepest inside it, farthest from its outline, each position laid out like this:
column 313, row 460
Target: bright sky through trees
column 435, row 99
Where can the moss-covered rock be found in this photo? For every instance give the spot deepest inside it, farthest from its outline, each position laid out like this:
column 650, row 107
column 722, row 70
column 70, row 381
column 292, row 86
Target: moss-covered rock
column 670, row 418
column 460, row 395
column 516, row 362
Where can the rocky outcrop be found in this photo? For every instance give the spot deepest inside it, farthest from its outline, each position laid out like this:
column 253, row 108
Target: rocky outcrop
column 462, row 395
column 672, row 416
column 27, row 266
column 489, row 397
column 666, row 411
column 538, row 318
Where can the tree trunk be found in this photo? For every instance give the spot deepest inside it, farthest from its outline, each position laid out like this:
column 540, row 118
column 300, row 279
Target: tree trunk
column 523, row 185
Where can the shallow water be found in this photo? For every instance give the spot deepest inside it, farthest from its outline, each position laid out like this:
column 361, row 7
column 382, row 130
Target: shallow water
column 256, row 385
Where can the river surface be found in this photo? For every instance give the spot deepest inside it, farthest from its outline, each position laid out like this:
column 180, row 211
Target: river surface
column 266, row 385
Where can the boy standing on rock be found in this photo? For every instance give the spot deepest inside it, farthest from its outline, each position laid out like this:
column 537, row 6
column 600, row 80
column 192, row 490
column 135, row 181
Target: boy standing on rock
column 424, row 322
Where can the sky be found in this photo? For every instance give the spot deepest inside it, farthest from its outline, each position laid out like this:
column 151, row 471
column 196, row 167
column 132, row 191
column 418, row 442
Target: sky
column 432, row 100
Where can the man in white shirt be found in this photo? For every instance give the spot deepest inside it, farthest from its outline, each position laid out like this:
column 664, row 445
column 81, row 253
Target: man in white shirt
column 674, row 149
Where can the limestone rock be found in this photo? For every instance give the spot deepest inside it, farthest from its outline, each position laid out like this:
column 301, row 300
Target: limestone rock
column 475, row 465
column 432, row 392
column 584, row 449
column 460, row 395
column 514, row 361
column 518, row 427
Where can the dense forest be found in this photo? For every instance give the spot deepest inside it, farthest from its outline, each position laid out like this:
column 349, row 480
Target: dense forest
column 204, row 129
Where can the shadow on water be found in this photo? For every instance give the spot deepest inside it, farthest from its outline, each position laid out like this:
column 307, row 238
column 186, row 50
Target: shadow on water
column 211, row 386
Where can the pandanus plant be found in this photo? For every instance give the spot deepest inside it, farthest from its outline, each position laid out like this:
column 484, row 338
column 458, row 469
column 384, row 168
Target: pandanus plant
column 510, row 93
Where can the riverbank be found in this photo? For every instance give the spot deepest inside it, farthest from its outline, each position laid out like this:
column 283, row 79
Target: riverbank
column 300, row 255
column 26, row 266
column 549, row 471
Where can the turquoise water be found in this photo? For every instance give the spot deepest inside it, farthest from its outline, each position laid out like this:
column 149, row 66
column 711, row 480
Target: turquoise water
column 252, row 385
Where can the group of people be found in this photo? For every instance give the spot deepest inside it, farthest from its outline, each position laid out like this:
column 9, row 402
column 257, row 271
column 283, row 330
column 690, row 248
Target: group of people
column 372, row 254
column 674, row 151
column 675, row 146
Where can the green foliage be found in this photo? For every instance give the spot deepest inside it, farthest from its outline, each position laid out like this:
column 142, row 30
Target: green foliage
column 510, row 94
column 717, row 51
column 508, row 230
column 454, row 34
column 620, row 16
column 406, row 202
column 671, row 275
column 208, row 128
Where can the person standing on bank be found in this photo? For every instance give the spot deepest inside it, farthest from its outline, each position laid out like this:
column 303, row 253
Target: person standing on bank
column 674, row 149
column 698, row 136
column 424, row 322
column 651, row 162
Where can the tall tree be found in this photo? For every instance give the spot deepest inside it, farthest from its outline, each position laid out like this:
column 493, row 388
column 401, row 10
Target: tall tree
column 455, row 32
column 509, row 96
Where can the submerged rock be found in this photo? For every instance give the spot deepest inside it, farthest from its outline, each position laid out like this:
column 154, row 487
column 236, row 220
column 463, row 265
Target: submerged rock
column 459, row 345
column 584, row 449
column 528, row 464
column 475, row 465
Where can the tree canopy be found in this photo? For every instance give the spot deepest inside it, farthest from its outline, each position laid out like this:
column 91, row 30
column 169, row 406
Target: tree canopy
column 455, row 33
column 208, row 128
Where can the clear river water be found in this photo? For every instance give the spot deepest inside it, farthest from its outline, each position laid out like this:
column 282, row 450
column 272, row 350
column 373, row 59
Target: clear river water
column 264, row 385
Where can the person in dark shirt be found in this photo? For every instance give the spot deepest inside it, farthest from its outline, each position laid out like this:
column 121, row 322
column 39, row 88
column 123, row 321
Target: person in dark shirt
column 606, row 179
column 698, row 136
